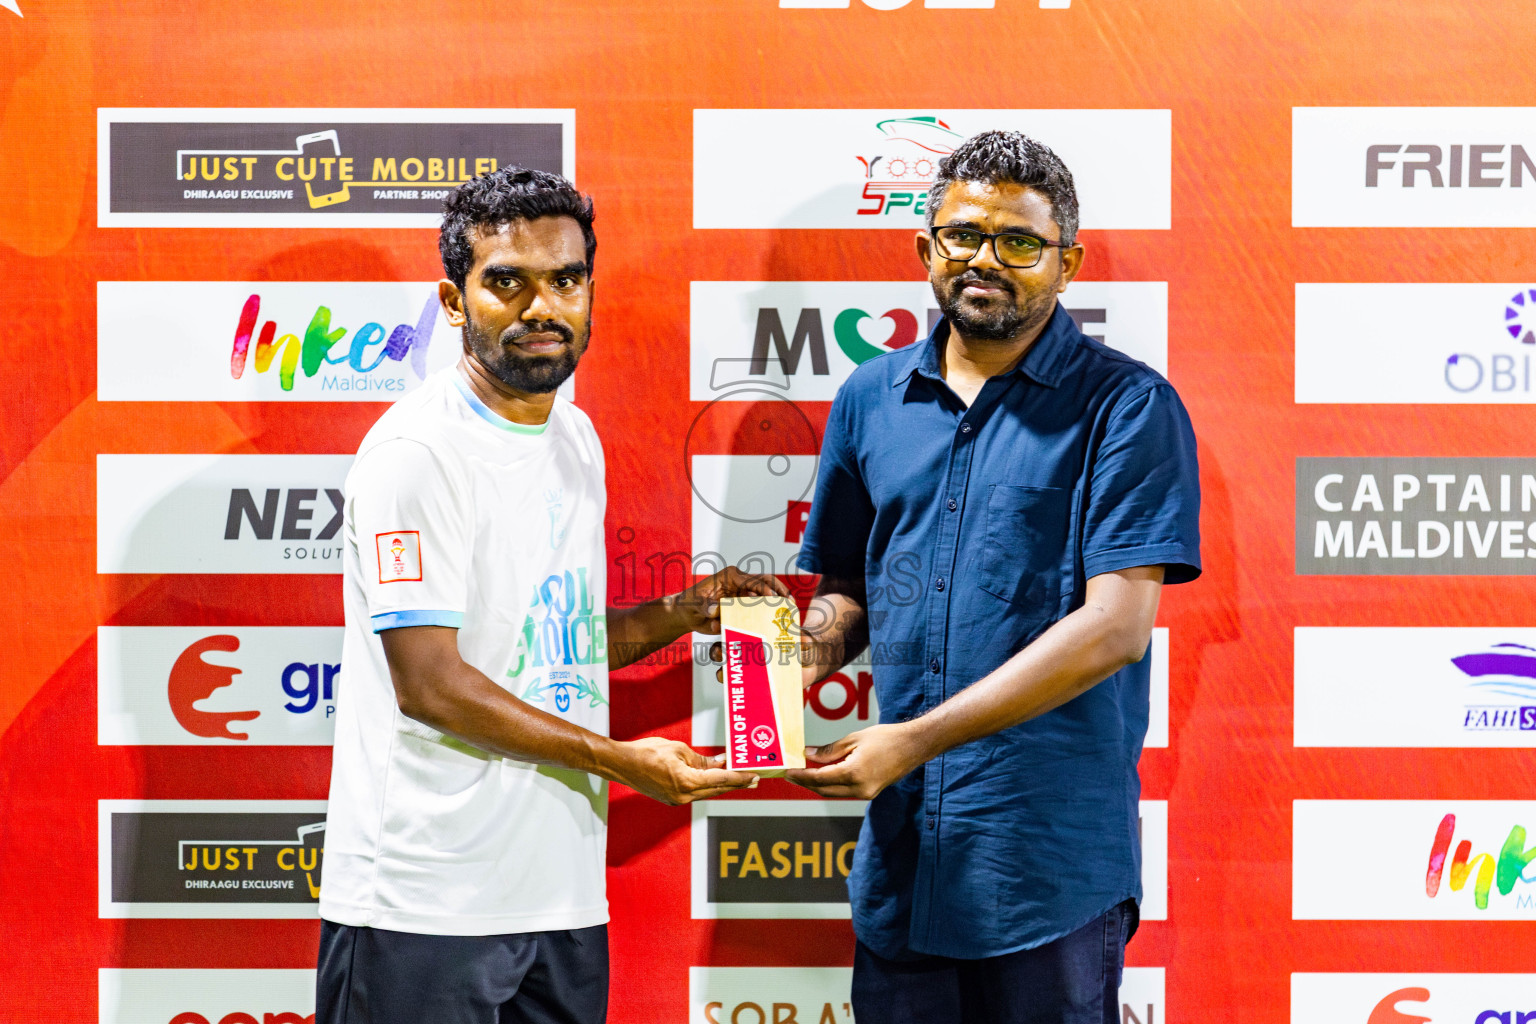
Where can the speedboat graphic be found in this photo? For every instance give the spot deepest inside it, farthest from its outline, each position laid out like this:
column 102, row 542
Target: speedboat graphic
column 924, row 132
column 1508, row 669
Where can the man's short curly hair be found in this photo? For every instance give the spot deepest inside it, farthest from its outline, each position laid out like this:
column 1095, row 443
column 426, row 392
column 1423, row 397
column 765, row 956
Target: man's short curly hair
column 996, row 157
column 500, row 197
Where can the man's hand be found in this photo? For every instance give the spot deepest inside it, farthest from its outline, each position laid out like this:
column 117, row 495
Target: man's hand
column 673, row 772
column 634, row 633
column 835, row 628
column 862, row 763
column 1109, row 632
column 700, row 603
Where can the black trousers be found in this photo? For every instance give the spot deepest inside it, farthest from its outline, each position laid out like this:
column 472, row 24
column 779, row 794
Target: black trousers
column 1073, row 980
column 373, row 976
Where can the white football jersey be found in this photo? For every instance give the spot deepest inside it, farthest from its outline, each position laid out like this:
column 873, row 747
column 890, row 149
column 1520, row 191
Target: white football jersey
column 458, row 517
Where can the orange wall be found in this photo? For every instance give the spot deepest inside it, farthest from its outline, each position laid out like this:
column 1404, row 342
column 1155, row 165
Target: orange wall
column 1230, row 73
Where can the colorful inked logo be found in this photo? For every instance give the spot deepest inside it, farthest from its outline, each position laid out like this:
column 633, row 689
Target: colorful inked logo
column 321, row 347
column 1387, row 1012
column 1503, row 670
column 564, row 628
column 1484, row 870
column 900, row 166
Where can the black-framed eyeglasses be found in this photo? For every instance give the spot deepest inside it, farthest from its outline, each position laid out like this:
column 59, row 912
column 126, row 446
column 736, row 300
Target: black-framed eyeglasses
column 1015, row 249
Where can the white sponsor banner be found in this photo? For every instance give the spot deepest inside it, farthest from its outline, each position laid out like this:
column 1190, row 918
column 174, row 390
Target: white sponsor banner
column 1157, row 694
column 774, row 858
column 268, row 341
column 821, row 872
column 227, row 859
column 1154, row 860
column 872, row 168
column 1413, row 167
column 219, row 513
column 801, row 339
column 1143, row 998
column 751, row 510
column 217, row 685
column 304, row 167
column 845, row 701
column 157, row 995
column 1418, row 998
column 747, row 995
column 1403, row 860
column 821, row 995
column 1415, row 687
column 1420, row 344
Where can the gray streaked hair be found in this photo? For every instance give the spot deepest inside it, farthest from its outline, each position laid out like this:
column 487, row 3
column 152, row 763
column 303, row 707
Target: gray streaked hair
column 995, row 157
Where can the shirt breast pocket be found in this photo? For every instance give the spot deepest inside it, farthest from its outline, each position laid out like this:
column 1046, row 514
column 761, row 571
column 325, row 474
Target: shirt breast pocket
column 1026, row 554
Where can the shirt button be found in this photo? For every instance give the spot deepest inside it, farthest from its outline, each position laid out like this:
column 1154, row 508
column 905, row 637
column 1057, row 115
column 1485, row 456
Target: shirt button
column 930, row 823
column 953, row 504
column 933, row 666
column 965, row 428
column 939, row 585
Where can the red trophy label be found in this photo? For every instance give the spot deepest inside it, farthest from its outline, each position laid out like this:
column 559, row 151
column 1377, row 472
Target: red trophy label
column 752, row 726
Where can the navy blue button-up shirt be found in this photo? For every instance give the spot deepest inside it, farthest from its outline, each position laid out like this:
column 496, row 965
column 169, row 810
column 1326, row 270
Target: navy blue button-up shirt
column 976, row 529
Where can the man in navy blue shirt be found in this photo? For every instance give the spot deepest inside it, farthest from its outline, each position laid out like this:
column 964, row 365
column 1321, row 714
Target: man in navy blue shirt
column 996, row 512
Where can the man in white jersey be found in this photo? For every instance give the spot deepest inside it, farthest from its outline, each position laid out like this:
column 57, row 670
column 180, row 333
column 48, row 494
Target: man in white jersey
column 464, row 868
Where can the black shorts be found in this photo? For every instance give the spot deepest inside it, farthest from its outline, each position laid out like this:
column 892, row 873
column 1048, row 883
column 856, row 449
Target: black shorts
column 372, row 976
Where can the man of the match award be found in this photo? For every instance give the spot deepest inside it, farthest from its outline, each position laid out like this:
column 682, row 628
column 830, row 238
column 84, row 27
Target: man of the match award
column 764, row 705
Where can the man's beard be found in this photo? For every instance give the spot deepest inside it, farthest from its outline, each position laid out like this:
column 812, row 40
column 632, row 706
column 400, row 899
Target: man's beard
column 534, row 375
column 1002, row 319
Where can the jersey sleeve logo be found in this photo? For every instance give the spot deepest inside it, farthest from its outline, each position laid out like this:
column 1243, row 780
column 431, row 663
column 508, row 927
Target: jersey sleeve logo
column 399, row 556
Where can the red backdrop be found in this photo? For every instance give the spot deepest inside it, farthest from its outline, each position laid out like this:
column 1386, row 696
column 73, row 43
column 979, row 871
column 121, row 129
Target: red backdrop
column 634, row 72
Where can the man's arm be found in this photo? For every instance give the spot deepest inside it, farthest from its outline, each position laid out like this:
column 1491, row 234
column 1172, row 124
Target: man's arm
column 636, row 632
column 435, row 686
column 1110, row 631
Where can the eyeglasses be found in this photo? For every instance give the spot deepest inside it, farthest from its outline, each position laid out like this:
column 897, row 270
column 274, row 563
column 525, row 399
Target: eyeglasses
column 1013, row 249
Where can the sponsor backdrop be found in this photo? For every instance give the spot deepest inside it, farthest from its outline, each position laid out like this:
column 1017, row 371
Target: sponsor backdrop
column 217, row 267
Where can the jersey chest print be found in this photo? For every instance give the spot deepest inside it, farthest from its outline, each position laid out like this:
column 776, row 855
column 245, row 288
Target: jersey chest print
column 562, row 633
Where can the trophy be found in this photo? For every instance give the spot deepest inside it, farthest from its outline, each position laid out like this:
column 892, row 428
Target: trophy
column 764, row 700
